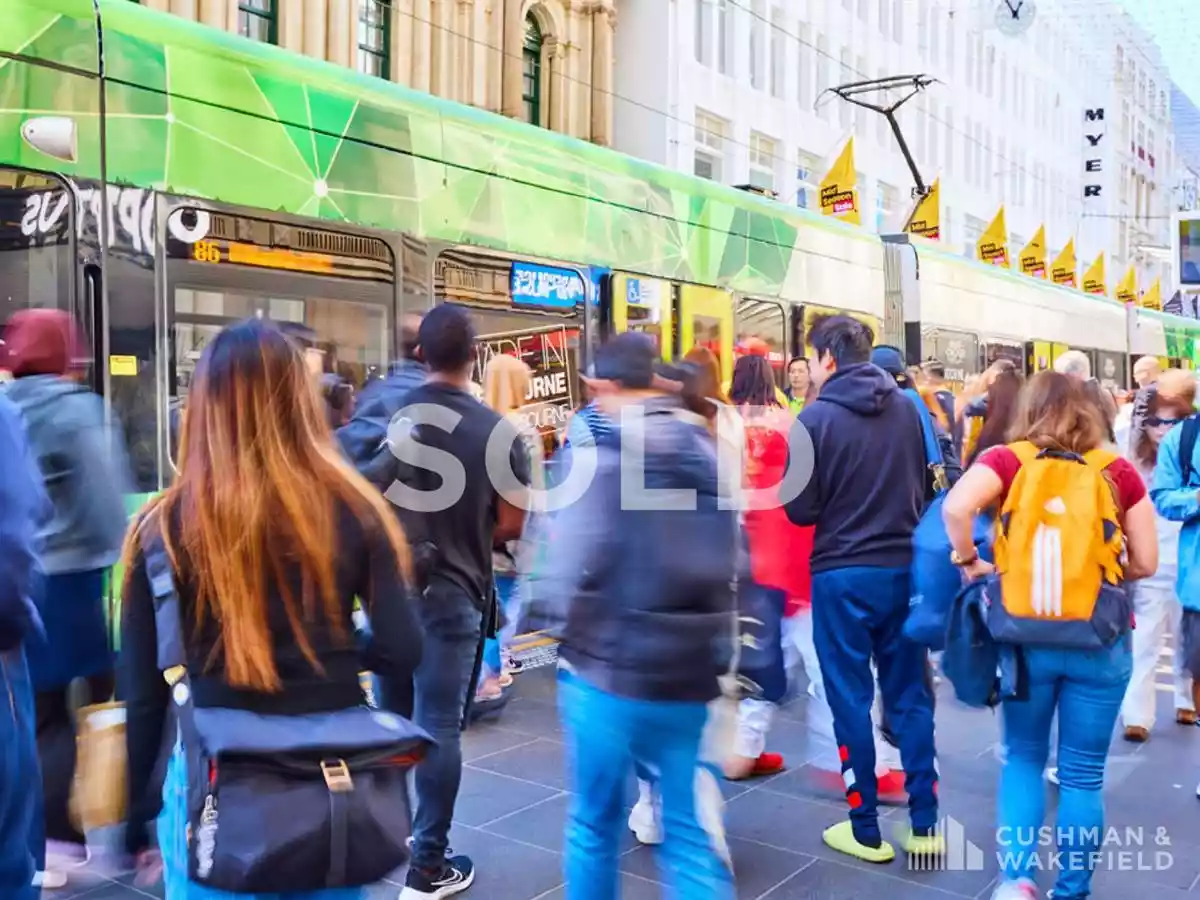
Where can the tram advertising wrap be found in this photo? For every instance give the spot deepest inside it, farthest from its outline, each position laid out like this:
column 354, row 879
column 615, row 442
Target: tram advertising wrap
column 549, row 353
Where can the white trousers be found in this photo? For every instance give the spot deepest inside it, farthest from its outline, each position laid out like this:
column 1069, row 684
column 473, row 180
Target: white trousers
column 755, row 716
column 1157, row 613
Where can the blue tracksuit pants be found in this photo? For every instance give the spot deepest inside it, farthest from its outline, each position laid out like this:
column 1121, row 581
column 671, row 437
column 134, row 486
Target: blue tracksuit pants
column 858, row 614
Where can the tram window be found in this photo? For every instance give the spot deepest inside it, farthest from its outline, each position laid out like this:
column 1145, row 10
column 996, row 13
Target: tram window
column 36, row 257
column 353, row 338
column 706, row 333
column 759, row 323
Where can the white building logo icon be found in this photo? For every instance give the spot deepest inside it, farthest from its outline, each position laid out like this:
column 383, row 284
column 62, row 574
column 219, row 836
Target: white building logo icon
column 961, row 854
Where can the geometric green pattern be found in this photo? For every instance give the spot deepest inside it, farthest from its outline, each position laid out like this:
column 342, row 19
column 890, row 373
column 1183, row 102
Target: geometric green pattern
column 199, row 112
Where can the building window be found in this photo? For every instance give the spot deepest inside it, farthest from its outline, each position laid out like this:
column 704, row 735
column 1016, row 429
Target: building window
column 757, row 69
column 884, row 6
column 804, row 69
column 950, row 48
column 863, row 11
column 531, row 73
column 887, row 198
column 723, row 36
column 710, row 145
column 808, row 174
column 374, row 37
column 778, row 54
column 898, row 22
column 948, row 160
column 935, row 35
column 256, row 20
column 923, row 28
column 762, row 161
column 823, row 61
column 704, row 37
column 845, row 110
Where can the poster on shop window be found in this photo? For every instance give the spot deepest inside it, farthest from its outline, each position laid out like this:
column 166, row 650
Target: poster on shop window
column 958, row 351
column 551, row 355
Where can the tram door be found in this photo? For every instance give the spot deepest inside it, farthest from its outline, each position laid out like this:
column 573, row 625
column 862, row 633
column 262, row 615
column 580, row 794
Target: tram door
column 643, row 304
column 706, row 320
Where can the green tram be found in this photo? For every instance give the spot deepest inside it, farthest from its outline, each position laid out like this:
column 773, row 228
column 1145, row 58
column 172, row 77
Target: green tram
column 160, row 179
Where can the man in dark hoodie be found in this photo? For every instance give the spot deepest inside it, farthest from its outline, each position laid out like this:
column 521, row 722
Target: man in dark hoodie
column 865, row 497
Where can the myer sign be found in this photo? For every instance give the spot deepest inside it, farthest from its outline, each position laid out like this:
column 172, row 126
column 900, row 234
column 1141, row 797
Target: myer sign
column 1095, row 134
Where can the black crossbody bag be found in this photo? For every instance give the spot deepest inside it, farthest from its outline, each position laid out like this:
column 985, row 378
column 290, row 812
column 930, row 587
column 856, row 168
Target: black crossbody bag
column 283, row 803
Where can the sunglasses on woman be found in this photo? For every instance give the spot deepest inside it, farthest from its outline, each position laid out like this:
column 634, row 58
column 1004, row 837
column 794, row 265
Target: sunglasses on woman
column 1159, row 422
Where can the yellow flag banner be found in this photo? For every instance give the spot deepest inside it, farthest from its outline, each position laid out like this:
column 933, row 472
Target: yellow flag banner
column 992, row 246
column 1127, row 287
column 839, row 192
column 1033, row 256
column 926, row 219
column 1152, row 299
column 1065, row 267
column 1093, row 279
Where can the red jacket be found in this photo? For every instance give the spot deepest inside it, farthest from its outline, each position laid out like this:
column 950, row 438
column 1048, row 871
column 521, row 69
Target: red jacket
column 779, row 550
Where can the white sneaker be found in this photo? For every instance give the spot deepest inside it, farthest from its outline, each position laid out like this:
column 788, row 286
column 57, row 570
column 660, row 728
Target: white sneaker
column 50, row 880
column 1052, row 775
column 1021, row 889
column 645, row 821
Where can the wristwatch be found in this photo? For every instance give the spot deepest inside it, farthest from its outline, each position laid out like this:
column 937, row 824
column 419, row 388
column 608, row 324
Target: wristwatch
column 963, row 561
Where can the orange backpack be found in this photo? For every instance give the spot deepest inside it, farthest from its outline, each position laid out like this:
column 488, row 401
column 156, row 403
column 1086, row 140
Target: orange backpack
column 1059, row 554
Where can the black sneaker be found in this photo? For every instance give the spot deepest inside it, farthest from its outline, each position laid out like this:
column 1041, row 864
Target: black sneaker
column 457, row 874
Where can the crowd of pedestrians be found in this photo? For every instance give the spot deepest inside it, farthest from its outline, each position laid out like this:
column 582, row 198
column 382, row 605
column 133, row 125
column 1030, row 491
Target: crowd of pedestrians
column 717, row 542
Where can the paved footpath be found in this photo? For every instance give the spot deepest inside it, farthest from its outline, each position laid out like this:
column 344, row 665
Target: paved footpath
column 513, row 802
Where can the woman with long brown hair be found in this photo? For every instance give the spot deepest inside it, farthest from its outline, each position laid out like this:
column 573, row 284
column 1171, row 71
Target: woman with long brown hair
column 1084, row 687
column 999, row 409
column 271, row 536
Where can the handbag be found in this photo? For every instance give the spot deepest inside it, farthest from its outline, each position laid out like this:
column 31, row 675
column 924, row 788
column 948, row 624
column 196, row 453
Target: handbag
column 98, row 794
column 277, row 803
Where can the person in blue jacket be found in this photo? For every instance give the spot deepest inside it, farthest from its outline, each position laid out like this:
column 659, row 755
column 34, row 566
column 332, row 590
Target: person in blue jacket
column 1175, row 490
column 22, row 508
column 865, row 496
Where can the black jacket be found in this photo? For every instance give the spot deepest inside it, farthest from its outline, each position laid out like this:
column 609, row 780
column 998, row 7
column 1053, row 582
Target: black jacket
column 868, row 484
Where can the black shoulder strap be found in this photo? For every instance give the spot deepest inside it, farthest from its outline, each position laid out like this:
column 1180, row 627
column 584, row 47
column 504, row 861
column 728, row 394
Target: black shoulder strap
column 167, row 620
column 1187, row 447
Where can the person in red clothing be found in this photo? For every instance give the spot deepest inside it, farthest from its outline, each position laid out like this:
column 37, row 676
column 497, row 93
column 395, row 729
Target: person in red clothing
column 779, row 567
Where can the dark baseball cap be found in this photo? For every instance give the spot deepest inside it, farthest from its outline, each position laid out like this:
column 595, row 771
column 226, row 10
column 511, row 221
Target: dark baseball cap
column 889, row 359
column 627, row 359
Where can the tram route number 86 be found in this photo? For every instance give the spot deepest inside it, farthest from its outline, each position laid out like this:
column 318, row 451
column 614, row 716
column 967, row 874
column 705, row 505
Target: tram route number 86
column 206, row 251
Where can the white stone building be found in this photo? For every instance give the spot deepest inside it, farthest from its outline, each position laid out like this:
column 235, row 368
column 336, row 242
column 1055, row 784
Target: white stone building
column 726, row 89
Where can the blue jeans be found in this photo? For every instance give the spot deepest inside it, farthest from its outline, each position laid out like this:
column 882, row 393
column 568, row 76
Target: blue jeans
column 453, row 630
column 606, row 735
column 859, row 614
column 1085, row 688
column 20, row 783
column 172, row 842
column 506, row 595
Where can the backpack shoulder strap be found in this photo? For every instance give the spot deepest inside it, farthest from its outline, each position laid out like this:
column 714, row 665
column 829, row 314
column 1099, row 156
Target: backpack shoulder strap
column 1100, row 458
column 1187, row 447
column 168, row 620
column 933, row 453
column 1025, row 451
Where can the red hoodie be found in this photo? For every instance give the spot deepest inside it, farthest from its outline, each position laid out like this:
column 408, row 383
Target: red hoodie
column 779, row 550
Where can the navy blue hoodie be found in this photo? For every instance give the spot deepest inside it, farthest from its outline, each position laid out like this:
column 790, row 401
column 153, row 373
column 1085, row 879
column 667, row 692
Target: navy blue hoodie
column 867, row 489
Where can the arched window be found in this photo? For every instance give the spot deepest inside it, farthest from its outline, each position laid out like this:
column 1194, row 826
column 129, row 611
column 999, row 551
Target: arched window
column 531, row 82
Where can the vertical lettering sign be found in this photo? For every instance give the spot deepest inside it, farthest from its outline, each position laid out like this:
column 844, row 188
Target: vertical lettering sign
column 533, row 285
column 1094, row 146
column 551, row 356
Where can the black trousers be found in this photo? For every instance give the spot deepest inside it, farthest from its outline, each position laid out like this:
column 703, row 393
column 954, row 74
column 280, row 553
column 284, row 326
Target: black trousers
column 56, row 753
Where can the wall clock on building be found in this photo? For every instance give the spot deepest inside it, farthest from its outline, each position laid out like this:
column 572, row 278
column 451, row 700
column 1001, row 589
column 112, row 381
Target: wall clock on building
column 1013, row 17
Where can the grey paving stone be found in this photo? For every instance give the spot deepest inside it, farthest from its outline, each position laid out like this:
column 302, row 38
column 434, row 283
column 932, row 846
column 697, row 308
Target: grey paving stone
column 486, row 796
column 506, row 869
column 830, row 881
column 485, row 739
column 631, row 887
column 540, row 762
column 758, row 867
column 544, row 826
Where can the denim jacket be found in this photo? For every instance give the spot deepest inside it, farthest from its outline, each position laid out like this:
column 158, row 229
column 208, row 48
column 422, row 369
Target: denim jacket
column 646, row 578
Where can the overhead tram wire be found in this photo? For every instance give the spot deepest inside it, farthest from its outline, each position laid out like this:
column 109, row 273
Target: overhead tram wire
column 668, row 116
